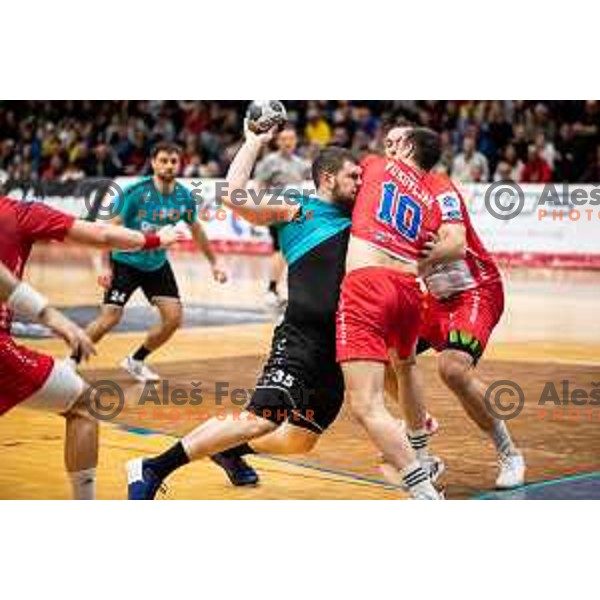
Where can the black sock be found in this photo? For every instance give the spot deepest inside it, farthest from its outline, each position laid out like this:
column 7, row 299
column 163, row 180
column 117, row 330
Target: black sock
column 167, row 462
column 141, row 353
column 273, row 286
column 237, row 451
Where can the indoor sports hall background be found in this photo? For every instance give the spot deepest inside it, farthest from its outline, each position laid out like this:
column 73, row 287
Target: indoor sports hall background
column 504, row 154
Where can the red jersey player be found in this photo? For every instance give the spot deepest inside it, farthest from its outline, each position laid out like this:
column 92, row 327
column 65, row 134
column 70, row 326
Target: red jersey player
column 380, row 304
column 464, row 303
column 27, row 374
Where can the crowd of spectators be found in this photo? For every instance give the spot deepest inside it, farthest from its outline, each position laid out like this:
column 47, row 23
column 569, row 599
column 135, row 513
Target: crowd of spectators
column 526, row 141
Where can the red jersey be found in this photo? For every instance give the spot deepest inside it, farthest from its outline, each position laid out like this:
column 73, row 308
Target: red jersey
column 22, row 224
column 394, row 209
column 478, row 267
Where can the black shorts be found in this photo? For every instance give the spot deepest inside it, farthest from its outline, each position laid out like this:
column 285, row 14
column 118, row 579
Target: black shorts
column 301, row 381
column 275, row 236
column 127, row 279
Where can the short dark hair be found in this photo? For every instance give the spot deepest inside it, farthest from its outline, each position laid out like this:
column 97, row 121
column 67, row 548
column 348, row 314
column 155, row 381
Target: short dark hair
column 428, row 147
column 330, row 160
column 168, row 147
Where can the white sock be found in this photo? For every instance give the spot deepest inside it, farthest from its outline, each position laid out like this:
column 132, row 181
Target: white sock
column 418, row 440
column 502, row 440
column 83, row 484
column 418, row 483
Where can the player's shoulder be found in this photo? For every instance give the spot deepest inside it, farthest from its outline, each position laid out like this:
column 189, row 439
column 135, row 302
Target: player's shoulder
column 446, row 193
column 138, row 187
column 440, row 183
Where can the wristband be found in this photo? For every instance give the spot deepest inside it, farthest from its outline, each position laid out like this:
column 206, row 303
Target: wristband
column 151, row 242
column 27, row 302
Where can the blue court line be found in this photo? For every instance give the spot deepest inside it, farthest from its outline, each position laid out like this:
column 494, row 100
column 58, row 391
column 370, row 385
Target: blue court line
column 144, row 431
column 536, row 485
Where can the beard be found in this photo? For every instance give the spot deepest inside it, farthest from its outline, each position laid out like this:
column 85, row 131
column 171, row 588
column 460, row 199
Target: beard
column 341, row 198
column 166, row 177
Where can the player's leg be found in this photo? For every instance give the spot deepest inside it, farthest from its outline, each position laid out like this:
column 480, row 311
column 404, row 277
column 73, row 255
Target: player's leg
column 315, row 410
column 365, row 396
column 457, row 370
column 81, row 450
column 374, row 305
column 64, row 391
column 287, row 439
column 466, row 340
column 405, row 382
column 124, row 281
column 160, row 288
column 146, row 475
column 108, row 318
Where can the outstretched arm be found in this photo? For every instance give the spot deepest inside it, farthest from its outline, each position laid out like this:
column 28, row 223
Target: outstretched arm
column 24, row 300
column 100, row 235
column 235, row 197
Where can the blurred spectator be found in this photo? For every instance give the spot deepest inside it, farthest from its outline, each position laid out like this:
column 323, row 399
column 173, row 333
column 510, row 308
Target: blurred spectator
column 317, row 129
column 504, row 172
column 283, row 167
column 33, row 133
column 101, row 163
column 536, row 169
column 516, row 166
column 470, row 164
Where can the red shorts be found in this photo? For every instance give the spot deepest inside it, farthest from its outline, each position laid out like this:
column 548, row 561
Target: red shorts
column 22, row 372
column 464, row 321
column 379, row 310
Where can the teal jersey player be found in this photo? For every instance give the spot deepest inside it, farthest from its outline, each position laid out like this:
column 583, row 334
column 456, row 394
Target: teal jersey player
column 149, row 205
column 315, row 222
column 146, row 209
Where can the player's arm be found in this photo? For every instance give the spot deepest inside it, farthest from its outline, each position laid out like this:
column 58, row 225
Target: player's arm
column 236, row 197
column 109, row 236
column 449, row 244
column 21, row 298
column 203, row 244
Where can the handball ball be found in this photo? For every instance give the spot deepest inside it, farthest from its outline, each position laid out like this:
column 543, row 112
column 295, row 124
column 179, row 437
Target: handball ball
column 262, row 115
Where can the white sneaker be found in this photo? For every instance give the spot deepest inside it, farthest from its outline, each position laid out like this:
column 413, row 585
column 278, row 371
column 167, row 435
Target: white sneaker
column 512, row 471
column 138, row 370
column 434, row 466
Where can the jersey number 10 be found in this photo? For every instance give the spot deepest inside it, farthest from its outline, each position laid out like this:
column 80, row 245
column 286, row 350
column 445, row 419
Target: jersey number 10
column 401, row 212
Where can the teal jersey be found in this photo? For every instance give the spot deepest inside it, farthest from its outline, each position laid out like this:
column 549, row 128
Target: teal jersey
column 145, row 209
column 316, row 222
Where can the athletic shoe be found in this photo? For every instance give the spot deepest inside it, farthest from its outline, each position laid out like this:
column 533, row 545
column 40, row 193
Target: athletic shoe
column 138, row 370
column 240, row 473
column 434, row 466
column 512, row 471
column 142, row 484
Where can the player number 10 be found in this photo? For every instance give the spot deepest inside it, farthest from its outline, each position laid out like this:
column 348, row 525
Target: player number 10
column 402, row 212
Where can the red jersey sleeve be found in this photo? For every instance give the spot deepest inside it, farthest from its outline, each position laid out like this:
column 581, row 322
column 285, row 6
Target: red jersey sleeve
column 40, row 222
column 448, row 198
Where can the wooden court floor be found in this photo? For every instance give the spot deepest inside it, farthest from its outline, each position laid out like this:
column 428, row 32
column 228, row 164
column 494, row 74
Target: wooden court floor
column 549, row 334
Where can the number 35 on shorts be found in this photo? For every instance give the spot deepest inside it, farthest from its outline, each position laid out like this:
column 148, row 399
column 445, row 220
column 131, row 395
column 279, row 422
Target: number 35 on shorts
column 283, row 378
column 402, row 212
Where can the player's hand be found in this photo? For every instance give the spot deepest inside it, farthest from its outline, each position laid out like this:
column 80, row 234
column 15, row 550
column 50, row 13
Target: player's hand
column 77, row 339
column 261, row 138
column 170, row 235
column 429, row 245
column 218, row 272
column 105, row 280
